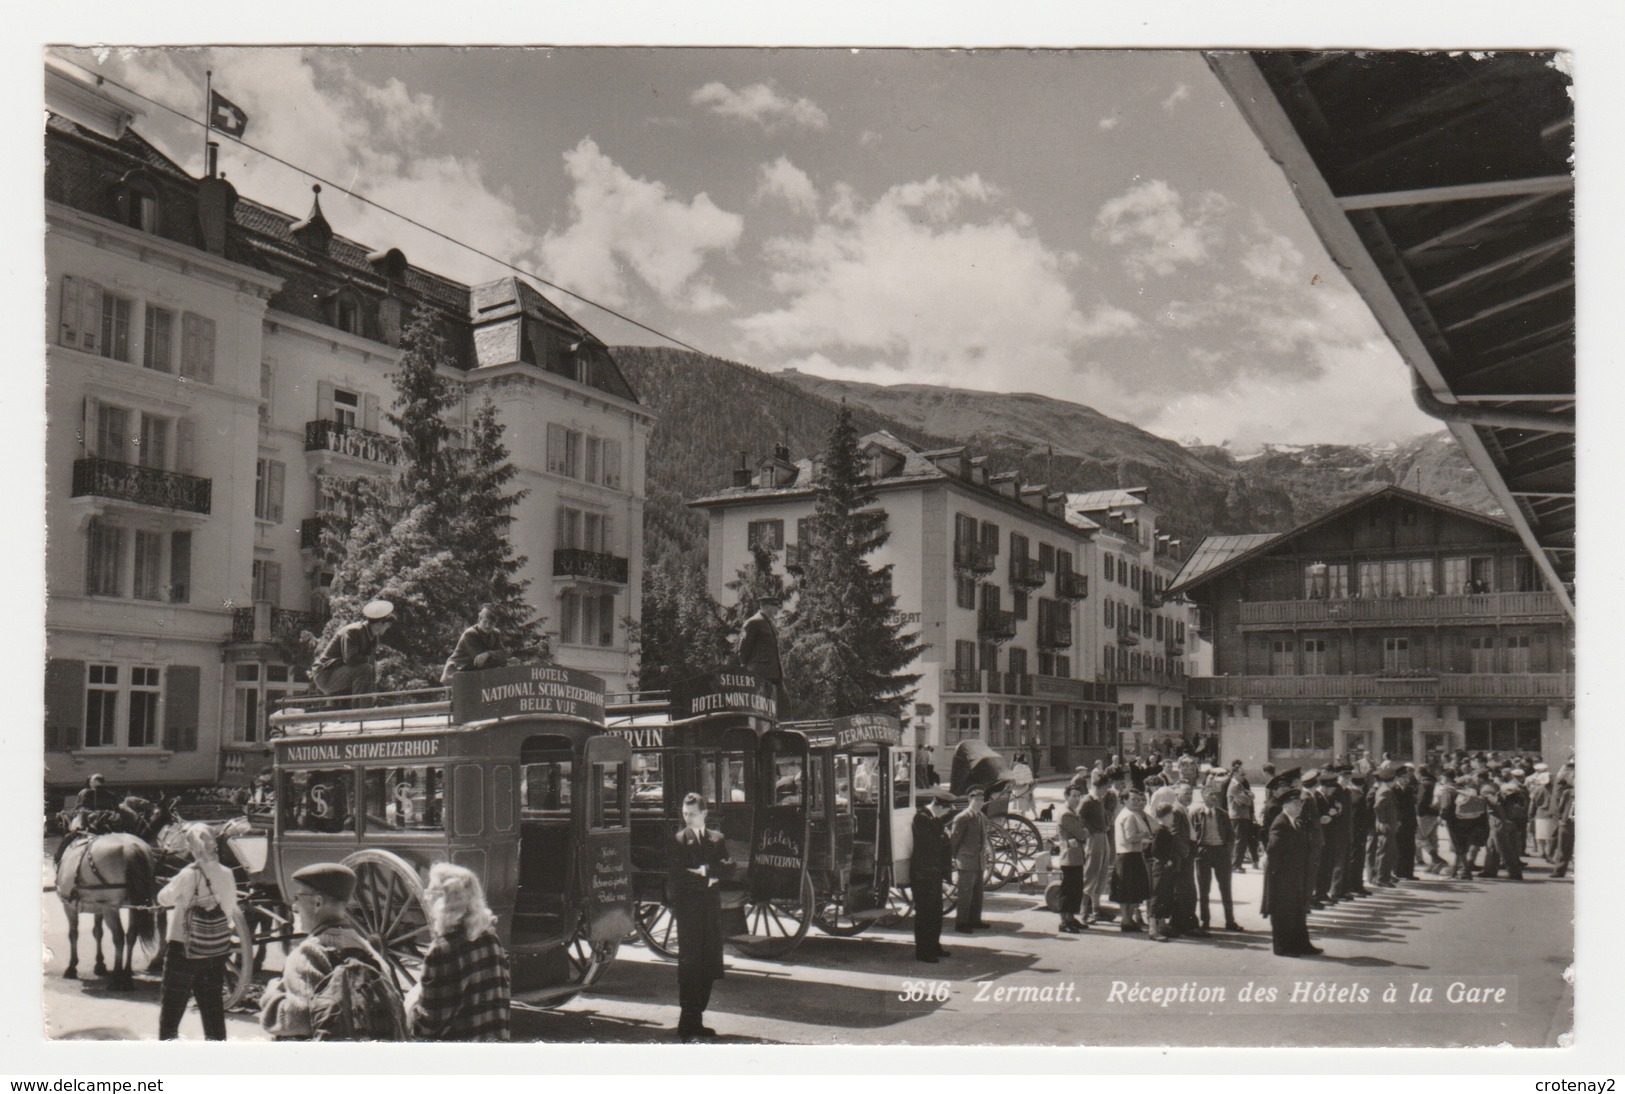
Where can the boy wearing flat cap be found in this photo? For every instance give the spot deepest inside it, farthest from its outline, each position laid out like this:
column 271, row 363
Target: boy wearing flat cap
column 321, row 897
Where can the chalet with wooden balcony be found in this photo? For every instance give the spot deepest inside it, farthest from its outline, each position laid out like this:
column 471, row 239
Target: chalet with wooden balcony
column 1395, row 623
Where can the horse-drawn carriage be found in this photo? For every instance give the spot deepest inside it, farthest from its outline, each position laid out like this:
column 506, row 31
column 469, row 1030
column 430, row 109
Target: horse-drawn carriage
column 1014, row 840
column 508, row 773
column 816, row 814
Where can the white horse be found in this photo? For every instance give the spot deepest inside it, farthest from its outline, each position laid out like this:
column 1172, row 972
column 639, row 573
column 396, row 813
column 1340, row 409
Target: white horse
column 100, row 875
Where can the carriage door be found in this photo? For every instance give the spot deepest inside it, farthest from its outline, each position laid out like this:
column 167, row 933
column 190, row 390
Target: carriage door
column 899, row 823
column 779, row 836
column 606, row 860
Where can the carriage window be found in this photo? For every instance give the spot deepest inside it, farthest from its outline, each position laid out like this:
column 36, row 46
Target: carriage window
column 866, row 780
column 607, row 780
column 788, row 780
column 902, row 764
column 406, row 799
column 843, row 784
column 545, row 790
column 648, row 782
column 321, row 800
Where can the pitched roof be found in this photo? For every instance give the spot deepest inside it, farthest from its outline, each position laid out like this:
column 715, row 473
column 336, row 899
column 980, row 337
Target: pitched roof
column 1091, row 500
column 1216, row 551
column 1228, row 551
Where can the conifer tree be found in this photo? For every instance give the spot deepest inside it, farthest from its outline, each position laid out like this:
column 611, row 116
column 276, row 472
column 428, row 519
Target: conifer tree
column 683, row 632
column 432, row 539
column 845, row 647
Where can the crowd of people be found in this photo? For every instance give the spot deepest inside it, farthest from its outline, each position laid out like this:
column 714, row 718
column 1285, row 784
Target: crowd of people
column 1157, row 837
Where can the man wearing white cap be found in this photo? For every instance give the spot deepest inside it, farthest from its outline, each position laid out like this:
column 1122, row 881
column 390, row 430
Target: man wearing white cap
column 348, row 666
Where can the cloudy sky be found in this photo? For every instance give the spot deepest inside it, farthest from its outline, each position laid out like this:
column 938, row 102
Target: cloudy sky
column 1097, row 226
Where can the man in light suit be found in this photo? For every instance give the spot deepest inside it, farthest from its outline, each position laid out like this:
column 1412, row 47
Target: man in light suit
column 759, row 647
column 1073, row 838
column 968, row 834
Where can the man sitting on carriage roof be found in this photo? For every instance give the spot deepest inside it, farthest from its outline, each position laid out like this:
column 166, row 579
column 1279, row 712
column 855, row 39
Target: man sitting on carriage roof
column 480, row 647
column 348, row 666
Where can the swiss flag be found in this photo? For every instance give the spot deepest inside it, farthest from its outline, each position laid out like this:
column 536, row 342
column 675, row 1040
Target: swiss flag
column 226, row 115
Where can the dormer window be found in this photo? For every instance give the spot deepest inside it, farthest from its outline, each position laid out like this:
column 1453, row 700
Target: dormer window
column 344, row 310
column 136, row 199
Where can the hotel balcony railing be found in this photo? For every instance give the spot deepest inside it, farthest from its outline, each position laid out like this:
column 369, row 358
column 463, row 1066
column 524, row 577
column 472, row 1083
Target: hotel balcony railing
column 974, row 557
column 263, row 621
column 1127, row 636
column 592, row 565
column 996, row 625
column 1475, row 607
column 1443, row 687
column 1150, row 598
column 323, row 435
column 979, row 682
column 1071, row 586
column 1056, row 636
column 97, row 477
column 1028, row 572
column 1150, row 678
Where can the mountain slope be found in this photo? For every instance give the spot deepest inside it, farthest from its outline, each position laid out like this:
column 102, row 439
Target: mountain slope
column 711, row 410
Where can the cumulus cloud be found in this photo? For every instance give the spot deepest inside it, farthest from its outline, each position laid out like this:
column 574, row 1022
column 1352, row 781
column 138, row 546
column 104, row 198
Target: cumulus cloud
column 784, row 180
column 869, row 138
column 760, row 103
column 622, row 224
column 1367, row 383
column 310, row 109
column 933, row 282
column 1155, row 231
column 1111, row 121
column 1180, row 93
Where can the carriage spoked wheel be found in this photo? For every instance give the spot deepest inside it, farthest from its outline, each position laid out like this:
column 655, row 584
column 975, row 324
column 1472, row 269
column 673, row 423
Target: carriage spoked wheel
column 657, row 926
column 1024, row 837
column 835, row 917
column 388, row 912
column 777, row 926
column 587, row 961
column 1002, row 865
column 899, row 906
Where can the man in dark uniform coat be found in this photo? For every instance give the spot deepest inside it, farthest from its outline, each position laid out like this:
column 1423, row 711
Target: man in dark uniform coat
column 1335, row 860
column 348, row 666
column 928, row 867
column 1405, row 799
column 1312, row 820
column 697, row 855
column 759, row 648
column 1359, row 834
column 1285, row 895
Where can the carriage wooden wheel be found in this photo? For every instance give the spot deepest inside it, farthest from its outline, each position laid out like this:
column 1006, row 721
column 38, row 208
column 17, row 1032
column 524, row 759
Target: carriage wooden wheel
column 587, row 961
column 388, row 912
column 657, row 926
column 775, row 927
column 240, row 961
column 833, row 916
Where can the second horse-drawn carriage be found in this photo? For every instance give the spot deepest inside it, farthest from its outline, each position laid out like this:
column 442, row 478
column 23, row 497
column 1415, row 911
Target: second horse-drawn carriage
column 816, row 814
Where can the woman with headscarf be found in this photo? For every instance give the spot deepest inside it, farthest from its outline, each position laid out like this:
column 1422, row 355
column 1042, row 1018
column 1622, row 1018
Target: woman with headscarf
column 203, row 884
column 464, row 994
column 1131, row 879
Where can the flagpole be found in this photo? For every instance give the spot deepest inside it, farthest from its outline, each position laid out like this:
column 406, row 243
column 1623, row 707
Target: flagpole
column 208, row 95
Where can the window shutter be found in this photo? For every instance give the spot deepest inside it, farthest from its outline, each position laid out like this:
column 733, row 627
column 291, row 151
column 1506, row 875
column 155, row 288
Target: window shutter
column 93, row 408
column 90, row 316
column 324, row 400
column 181, row 707
column 276, row 475
column 185, row 446
column 71, row 315
column 273, row 582
column 612, row 464
column 64, row 704
column 370, row 412
column 180, row 567
column 197, row 347
column 608, row 546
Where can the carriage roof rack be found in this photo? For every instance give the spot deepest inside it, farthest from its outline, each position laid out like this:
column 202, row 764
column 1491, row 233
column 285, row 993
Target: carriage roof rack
column 312, row 715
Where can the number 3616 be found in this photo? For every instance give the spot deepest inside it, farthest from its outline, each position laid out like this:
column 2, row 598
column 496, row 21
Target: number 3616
column 926, row 991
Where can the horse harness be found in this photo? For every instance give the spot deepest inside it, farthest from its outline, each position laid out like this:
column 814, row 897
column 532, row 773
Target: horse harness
column 101, row 882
